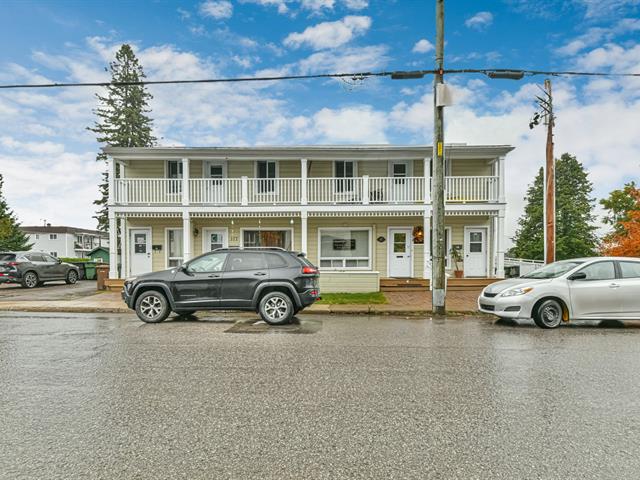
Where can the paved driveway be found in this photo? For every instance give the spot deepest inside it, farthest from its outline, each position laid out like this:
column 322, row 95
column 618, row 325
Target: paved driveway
column 336, row 397
column 48, row 291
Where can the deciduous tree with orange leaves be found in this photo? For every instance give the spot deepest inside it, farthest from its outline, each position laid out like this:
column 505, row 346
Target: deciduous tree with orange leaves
column 624, row 241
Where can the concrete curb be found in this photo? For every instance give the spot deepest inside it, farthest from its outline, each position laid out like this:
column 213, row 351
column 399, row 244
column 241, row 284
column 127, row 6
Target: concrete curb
column 351, row 310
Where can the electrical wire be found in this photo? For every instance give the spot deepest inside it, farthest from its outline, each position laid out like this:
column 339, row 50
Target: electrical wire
column 398, row 74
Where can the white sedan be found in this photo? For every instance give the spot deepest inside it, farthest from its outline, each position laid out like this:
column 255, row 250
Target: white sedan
column 597, row 288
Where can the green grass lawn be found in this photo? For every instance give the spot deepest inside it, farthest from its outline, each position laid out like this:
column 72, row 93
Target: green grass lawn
column 352, row 298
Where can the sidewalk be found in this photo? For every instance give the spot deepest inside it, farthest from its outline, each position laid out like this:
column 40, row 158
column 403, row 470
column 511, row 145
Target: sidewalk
column 400, row 303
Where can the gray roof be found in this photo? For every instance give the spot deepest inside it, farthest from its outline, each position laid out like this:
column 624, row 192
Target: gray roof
column 60, row 229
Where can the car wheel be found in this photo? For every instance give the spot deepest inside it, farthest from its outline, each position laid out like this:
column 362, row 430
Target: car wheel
column 72, row 277
column 276, row 308
column 30, row 280
column 152, row 307
column 548, row 314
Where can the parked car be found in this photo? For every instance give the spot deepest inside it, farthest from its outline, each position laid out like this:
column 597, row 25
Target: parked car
column 274, row 282
column 32, row 269
column 599, row 288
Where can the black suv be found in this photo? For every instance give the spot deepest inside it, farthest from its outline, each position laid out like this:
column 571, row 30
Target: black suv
column 273, row 282
column 32, row 269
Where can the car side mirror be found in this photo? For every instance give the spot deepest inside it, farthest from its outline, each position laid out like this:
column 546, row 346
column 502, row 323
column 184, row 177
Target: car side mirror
column 578, row 276
column 185, row 269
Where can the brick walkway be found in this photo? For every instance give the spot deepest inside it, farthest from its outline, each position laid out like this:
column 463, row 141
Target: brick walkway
column 461, row 301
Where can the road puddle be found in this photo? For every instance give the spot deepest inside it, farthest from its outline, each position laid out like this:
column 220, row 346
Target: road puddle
column 298, row 326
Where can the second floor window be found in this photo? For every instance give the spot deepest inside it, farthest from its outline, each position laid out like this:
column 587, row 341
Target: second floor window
column 344, row 171
column 53, row 236
column 174, row 171
column 266, row 173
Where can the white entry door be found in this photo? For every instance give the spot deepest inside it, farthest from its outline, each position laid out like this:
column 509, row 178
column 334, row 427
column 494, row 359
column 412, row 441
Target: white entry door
column 213, row 238
column 139, row 250
column 399, row 252
column 215, row 191
column 475, row 252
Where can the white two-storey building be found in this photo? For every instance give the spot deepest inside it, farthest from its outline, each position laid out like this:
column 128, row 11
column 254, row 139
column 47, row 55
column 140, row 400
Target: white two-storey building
column 361, row 213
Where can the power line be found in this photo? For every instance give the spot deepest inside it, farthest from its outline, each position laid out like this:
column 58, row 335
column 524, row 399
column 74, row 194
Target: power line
column 511, row 73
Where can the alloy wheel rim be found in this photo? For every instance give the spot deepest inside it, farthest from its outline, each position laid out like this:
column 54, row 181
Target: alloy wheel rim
column 30, row 280
column 275, row 308
column 551, row 315
column 151, row 306
column 73, row 277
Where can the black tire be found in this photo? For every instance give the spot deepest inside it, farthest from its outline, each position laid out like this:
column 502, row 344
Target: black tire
column 152, row 307
column 548, row 314
column 276, row 308
column 72, row 277
column 30, row 280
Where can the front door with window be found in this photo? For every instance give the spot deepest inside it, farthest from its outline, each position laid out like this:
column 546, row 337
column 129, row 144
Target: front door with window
column 399, row 252
column 214, row 238
column 399, row 187
column 215, row 191
column 344, row 173
column 266, row 173
column 475, row 252
column 139, row 251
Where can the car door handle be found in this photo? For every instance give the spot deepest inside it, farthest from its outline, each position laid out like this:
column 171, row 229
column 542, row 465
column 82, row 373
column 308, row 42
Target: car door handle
column 214, row 275
column 259, row 274
column 614, row 285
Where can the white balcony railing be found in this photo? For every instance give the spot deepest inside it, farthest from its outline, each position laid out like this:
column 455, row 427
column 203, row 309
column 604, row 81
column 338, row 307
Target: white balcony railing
column 292, row 191
column 471, row 189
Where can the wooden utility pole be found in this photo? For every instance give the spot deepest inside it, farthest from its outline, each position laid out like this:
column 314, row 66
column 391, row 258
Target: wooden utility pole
column 549, row 183
column 438, row 290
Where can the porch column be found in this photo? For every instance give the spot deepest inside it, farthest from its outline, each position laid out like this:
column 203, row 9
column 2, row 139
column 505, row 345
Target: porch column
column 111, row 180
column 501, row 242
column 303, row 232
column 113, row 244
column 426, row 221
column 185, row 181
column 494, row 245
column 124, row 254
column 427, row 181
column 303, row 184
column 501, row 181
column 186, row 236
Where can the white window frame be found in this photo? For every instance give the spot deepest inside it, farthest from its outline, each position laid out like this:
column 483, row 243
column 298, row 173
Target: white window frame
column 354, row 178
column 53, row 236
column 344, row 259
column 276, row 185
column 166, row 242
column 205, row 241
column 54, row 254
column 267, row 229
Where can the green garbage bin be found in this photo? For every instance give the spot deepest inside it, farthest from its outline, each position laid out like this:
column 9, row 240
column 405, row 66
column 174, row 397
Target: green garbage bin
column 90, row 270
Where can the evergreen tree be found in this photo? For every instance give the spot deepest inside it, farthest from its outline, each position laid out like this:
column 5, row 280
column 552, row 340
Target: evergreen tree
column 122, row 118
column 11, row 237
column 575, row 233
column 618, row 205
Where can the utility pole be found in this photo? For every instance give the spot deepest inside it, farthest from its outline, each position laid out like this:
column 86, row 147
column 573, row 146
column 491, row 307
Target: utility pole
column 546, row 113
column 550, row 184
column 438, row 291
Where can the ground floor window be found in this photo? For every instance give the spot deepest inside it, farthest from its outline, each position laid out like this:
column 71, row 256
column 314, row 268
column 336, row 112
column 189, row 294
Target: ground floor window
column 345, row 248
column 175, row 247
column 267, row 238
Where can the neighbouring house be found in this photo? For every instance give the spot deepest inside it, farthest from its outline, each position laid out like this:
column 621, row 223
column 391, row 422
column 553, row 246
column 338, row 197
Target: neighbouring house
column 62, row 241
column 361, row 213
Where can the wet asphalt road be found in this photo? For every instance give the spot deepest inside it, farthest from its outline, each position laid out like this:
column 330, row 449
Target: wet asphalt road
column 336, row 397
column 48, row 291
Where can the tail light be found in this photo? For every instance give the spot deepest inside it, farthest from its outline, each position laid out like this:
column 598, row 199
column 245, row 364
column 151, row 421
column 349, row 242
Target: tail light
column 13, row 264
column 309, row 270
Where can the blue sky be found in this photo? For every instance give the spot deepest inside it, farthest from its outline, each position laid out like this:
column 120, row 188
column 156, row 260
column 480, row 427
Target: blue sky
column 47, row 156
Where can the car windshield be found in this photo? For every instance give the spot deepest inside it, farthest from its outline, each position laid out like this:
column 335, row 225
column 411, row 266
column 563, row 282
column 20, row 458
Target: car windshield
column 553, row 270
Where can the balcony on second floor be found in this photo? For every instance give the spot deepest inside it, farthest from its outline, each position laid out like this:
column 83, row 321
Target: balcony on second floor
column 246, row 191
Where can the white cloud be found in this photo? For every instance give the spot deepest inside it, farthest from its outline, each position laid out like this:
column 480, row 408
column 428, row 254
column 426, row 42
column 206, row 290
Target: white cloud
column 330, row 34
column 280, row 4
column 603, row 8
column 423, row 46
column 480, row 20
column 346, row 60
column 359, row 124
column 356, row 4
column 218, row 9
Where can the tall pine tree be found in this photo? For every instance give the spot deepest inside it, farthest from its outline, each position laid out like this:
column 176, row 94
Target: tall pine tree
column 575, row 232
column 122, row 118
column 11, row 237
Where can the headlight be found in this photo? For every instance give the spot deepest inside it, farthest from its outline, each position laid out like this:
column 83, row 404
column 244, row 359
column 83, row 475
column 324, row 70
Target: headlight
column 516, row 291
